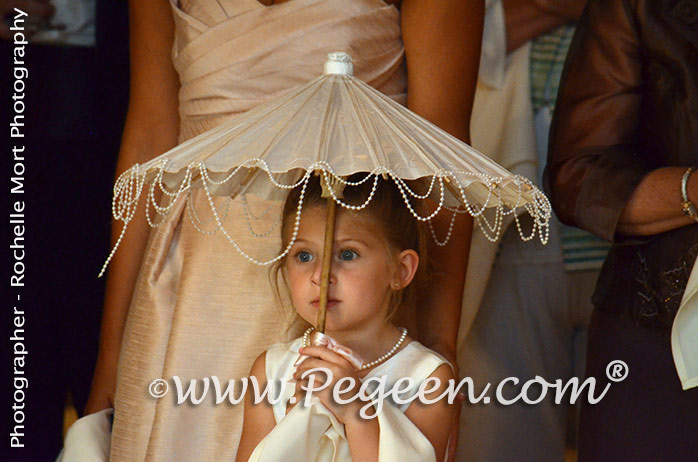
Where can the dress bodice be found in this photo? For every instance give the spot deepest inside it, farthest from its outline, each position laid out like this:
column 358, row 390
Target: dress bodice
column 232, row 55
column 414, row 361
column 312, row 433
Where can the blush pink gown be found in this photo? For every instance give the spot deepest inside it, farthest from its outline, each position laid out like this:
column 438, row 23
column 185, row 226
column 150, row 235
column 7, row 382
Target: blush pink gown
column 199, row 309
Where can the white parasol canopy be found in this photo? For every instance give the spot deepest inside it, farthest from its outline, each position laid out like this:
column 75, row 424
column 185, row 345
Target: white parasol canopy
column 336, row 125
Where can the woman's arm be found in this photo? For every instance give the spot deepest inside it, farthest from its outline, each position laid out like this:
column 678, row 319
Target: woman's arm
column 527, row 19
column 593, row 165
column 596, row 174
column 152, row 127
column 570, row 9
column 259, row 418
column 655, row 205
column 442, row 46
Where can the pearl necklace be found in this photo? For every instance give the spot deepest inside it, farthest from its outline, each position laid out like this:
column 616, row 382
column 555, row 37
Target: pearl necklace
column 375, row 362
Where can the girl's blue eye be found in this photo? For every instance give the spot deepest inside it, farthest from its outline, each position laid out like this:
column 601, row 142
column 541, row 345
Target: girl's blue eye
column 304, row 257
column 347, row 255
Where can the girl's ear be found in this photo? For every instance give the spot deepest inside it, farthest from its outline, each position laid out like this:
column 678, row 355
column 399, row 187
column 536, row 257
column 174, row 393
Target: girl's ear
column 407, row 264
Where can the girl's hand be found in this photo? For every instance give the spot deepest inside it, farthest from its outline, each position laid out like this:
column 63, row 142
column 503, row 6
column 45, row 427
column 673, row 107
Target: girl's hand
column 340, row 368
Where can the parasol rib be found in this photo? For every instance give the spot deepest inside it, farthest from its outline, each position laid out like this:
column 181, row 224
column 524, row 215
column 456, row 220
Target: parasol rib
column 363, row 130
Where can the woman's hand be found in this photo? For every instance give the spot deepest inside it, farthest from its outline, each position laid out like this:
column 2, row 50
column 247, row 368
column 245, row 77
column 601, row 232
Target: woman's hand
column 340, row 370
column 103, row 386
column 38, row 11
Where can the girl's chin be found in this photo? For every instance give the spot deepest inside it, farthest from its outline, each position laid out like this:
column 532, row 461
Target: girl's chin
column 331, row 326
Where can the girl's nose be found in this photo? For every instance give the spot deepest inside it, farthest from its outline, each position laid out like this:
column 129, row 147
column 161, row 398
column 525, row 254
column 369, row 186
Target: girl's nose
column 316, row 275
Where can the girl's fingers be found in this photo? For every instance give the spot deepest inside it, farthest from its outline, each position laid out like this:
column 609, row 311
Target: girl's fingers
column 314, row 363
column 328, row 371
column 326, row 354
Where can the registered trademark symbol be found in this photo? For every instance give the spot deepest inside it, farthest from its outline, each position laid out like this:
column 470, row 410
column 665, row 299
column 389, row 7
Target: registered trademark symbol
column 617, row 370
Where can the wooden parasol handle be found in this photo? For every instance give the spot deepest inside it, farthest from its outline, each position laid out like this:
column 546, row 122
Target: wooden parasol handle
column 328, row 250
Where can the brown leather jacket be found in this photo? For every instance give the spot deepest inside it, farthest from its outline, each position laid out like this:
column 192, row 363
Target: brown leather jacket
column 628, row 104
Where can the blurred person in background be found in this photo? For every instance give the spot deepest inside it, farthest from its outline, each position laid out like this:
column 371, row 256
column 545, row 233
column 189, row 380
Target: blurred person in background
column 623, row 152
column 535, row 306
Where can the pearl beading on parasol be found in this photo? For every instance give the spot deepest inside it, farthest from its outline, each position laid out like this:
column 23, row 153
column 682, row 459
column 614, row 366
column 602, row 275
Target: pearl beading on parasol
column 129, row 185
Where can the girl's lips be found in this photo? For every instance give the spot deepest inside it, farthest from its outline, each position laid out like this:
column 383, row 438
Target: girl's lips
column 330, row 303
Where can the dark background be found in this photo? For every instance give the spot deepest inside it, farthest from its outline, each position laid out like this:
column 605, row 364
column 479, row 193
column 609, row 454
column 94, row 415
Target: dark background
column 76, row 100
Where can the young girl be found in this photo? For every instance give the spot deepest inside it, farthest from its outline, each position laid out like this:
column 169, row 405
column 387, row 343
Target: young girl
column 378, row 254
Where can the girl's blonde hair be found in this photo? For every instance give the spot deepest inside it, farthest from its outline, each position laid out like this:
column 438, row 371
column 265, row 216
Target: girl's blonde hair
column 399, row 229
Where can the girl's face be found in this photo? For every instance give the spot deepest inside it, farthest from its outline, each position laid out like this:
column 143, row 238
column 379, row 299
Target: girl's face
column 362, row 275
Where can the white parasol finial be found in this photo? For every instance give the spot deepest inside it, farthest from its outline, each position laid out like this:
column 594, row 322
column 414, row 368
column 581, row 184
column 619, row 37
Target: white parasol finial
column 339, row 62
